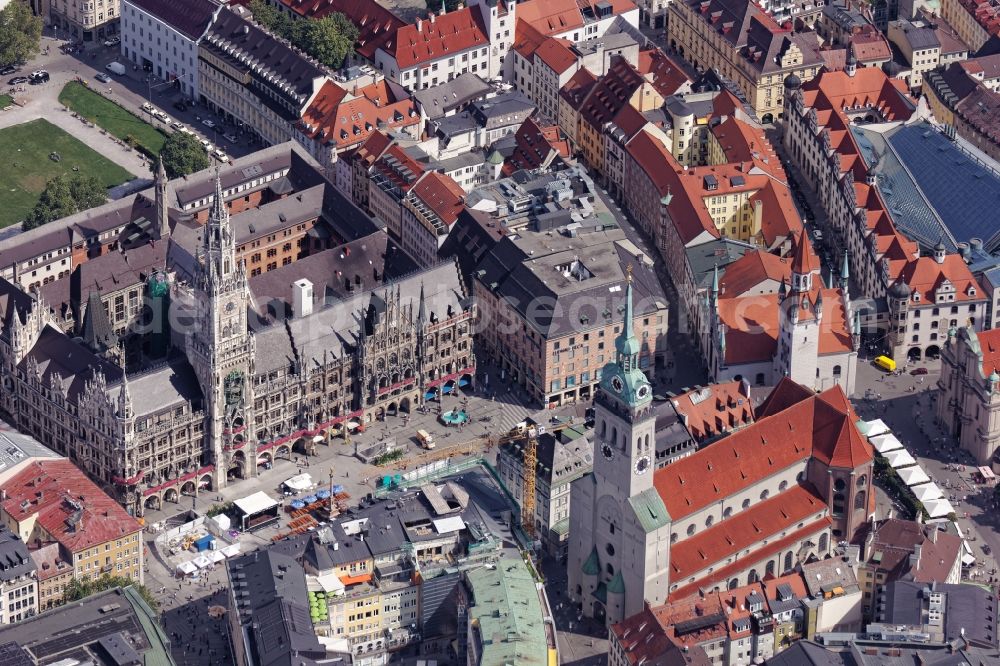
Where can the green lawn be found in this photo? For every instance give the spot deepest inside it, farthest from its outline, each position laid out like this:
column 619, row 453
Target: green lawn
column 111, row 117
column 5, row 101
column 27, row 166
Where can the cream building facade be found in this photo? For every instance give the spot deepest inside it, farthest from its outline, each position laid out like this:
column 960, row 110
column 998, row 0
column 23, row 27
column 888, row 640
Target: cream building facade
column 968, row 405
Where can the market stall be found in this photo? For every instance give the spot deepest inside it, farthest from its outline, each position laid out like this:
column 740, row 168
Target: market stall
column 255, row 511
column 885, row 443
column 913, row 476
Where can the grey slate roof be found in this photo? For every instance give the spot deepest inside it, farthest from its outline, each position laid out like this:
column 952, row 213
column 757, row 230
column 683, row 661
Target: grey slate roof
column 271, row 594
column 932, row 187
column 444, row 98
column 73, row 630
column 276, row 66
column 189, row 17
column 15, row 561
column 54, row 352
column 334, row 330
column 522, row 269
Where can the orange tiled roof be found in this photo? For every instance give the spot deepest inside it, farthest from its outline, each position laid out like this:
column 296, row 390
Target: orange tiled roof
column 578, row 87
column 534, row 144
column 731, row 536
column 753, row 268
column 666, row 75
column 815, row 425
column 67, row 505
column 924, row 275
column 989, row 345
column 612, row 92
column 556, row 54
column 442, row 195
column 527, row 39
column 347, row 122
column 742, row 141
column 437, row 38
column 715, row 409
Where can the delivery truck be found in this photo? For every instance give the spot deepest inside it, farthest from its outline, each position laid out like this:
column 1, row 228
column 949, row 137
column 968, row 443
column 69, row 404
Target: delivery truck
column 116, row 68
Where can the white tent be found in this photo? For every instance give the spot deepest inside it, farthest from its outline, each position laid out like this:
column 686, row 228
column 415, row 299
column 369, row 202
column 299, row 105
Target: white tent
column 202, row 561
column 885, row 443
column 913, row 476
column 222, row 522
column 231, row 551
column 927, row 491
column 299, row 482
column 330, row 584
column 216, row 556
column 874, row 428
column 900, row 458
column 186, row 568
column 938, row 508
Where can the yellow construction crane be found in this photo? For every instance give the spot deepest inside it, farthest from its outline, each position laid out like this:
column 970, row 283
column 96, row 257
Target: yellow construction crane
column 529, row 470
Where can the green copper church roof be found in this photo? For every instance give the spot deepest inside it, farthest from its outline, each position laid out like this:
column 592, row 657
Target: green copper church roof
column 592, row 566
column 650, row 510
column 617, row 584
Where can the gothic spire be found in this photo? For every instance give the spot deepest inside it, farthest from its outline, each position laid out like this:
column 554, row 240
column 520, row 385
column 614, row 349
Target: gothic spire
column 124, row 399
column 845, row 272
column 96, row 330
column 162, row 201
column 715, row 283
column 422, row 309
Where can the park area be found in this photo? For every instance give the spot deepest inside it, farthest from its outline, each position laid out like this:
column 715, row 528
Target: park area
column 29, row 167
column 115, row 119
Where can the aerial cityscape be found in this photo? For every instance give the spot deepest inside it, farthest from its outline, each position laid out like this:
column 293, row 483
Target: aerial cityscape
column 499, row 332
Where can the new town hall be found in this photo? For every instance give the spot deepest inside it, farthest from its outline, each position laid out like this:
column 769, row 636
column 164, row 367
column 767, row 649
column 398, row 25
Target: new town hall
column 235, row 390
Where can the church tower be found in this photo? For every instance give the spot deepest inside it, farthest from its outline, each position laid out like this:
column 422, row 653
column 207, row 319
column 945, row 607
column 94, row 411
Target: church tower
column 800, row 317
column 220, row 346
column 618, row 558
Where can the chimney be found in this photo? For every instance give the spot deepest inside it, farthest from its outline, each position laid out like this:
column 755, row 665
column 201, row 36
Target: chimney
column 430, row 17
column 933, row 536
column 915, row 557
column 302, row 298
column 420, row 25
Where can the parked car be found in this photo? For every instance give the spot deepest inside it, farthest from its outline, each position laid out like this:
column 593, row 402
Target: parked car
column 40, row 76
column 147, row 107
column 9, row 69
column 918, row 371
column 18, row 80
column 113, row 41
column 102, row 77
column 231, row 138
column 208, row 123
column 220, row 155
column 177, row 126
column 180, row 105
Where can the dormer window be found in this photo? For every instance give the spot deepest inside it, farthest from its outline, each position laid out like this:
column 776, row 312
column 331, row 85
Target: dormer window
column 916, row 297
column 971, row 291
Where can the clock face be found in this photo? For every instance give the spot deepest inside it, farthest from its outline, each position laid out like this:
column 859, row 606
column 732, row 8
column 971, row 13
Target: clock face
column 642, row 391
column 617, row 384
column 607, row 451
column 230, row 306
column 641, row 465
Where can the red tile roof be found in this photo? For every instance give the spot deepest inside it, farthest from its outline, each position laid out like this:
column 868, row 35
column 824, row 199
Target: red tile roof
column 612, row 92
column 870, row 47
column 804, row 260
column 749, row 271
column 818, row 425
column 924, row 275
column 578, row 87
column 442, row 195
column 333, row 117
column 762, row 521
column 441, row 37
column 715, row 409
column 527, row 39
column 71, row 508
column 376, row 25
column 659, row 69
column 555, row 17
column 556, row 54
column 989, row 345
column 535, row 145
column 742, row 141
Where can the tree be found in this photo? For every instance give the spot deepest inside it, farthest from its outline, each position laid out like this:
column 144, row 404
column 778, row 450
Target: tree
column 449, row 5
column 63, row 196
column 328, row 40
column 81, row 588
column 183, row 154
column 20, row 33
